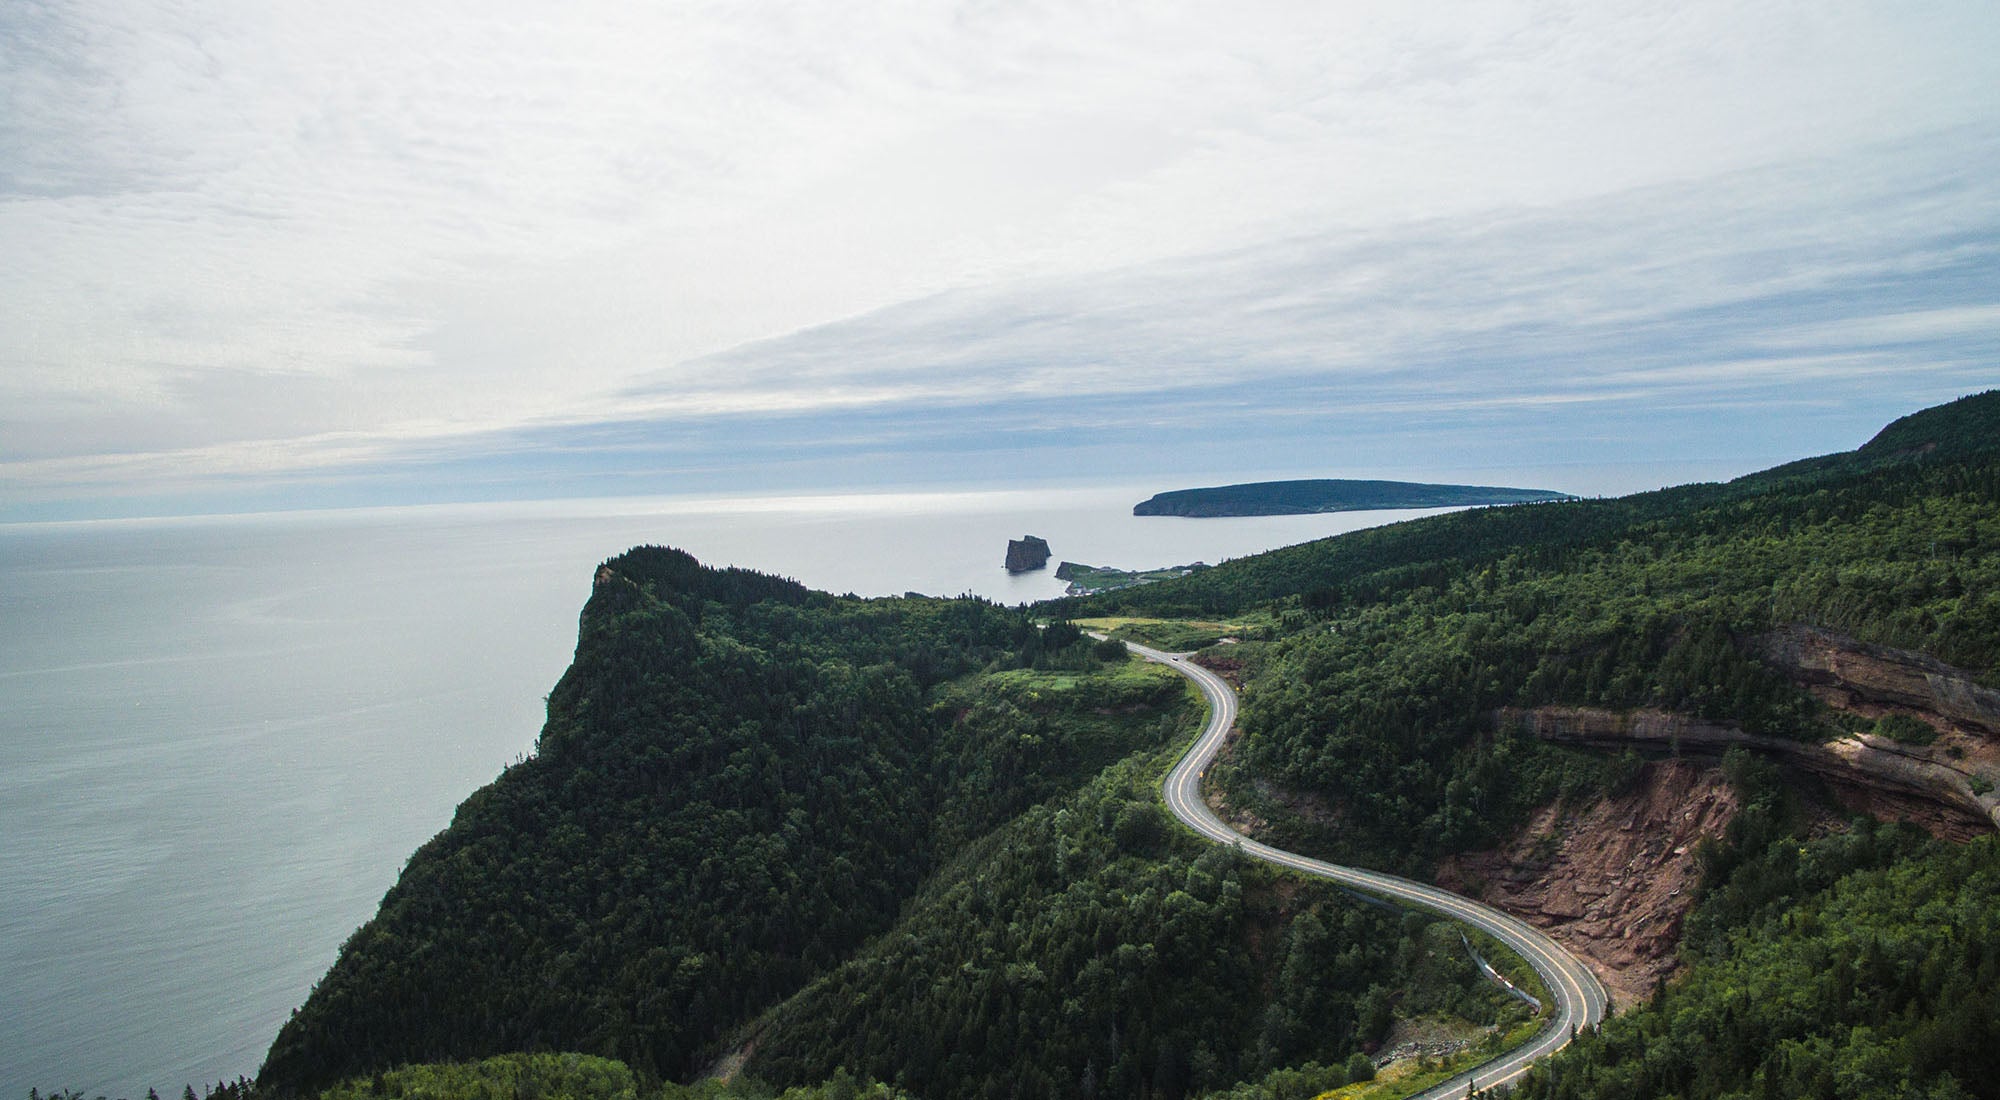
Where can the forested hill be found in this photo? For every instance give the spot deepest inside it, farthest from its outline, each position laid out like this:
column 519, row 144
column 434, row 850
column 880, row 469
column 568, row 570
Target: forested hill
column 1296, row 498
column 888, row 837
column 1949, row 449
column 1830, row 958
column 735, row 787
column 1416, row 635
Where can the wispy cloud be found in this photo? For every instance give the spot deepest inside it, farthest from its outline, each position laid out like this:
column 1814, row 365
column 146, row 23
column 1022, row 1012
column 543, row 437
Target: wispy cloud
column 1736, row 280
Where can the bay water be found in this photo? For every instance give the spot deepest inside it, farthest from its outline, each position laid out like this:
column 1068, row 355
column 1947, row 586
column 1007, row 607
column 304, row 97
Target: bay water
column 220, row 738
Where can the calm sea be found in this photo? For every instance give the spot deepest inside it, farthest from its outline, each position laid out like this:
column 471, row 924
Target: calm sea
column 220, row 738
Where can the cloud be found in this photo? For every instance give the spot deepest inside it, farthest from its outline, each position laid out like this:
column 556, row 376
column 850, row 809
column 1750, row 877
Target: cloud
column 1673, row 285
column 296, row 238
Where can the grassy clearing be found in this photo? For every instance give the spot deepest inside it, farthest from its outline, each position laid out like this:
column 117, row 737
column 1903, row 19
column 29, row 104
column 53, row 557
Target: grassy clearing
column 1173, row 635
column 1391, row 1082
column 1089, row 580
column 1413, row 1075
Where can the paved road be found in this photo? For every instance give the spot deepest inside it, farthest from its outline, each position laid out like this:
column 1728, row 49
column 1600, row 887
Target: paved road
column 1580, row 1000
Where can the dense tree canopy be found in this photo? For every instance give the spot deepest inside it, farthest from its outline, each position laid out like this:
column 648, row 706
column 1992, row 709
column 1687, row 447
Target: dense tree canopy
column 1089, row 948
column 737, row 785
column 1861, row 965
column 1397, row 647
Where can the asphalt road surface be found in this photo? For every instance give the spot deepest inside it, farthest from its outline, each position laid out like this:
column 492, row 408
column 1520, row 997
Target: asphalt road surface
column 1580, row 1000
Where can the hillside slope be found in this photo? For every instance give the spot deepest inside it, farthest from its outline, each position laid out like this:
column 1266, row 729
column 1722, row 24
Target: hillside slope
column 742, row 783
column 1489, row 680
column 734, row 789
column 1865, row 965
column 1091, row 947
column 1953, row 442
column 1398, row 650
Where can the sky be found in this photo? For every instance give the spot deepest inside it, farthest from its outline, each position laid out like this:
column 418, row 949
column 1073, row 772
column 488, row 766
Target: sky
column 267, row 256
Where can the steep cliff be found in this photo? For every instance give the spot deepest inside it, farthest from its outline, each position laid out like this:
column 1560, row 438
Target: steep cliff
column 1027, row 553
column 1943, row 787
column 1876, row 680
column 1614, row 879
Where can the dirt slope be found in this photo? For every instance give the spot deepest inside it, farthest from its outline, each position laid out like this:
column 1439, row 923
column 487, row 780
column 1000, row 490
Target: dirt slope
column 1613, row 880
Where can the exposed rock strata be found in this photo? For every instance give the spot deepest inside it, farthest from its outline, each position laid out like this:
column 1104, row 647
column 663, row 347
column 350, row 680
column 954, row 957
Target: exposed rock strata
column 1931, row 785
column 1614, row 880
column 1859, row 677
column 1611, row 881
column 1947, row 786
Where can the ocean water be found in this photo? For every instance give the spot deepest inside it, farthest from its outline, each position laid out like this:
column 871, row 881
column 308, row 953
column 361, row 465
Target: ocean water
column 220, row 738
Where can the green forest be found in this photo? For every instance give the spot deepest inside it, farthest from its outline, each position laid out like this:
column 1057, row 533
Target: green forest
column 740, row 782
column 1092, row 948
column 1824, row 961
column 819, row 833
column 1411, row 638
column 779, row 844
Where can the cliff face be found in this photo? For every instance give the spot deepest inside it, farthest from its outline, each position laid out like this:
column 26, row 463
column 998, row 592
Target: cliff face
column 1026, row 553
column 1874, row 680
column 1611, row 881
column 1947, row 786
column 1936, row 786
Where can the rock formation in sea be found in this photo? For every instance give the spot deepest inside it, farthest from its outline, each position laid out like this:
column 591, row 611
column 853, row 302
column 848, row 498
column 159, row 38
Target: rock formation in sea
column 1027, row 553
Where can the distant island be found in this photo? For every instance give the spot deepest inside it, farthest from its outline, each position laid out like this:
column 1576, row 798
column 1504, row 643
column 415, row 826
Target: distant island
column 1298, row 498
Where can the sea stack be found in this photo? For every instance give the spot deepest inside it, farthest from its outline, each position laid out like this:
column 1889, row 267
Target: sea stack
column 1026, row 553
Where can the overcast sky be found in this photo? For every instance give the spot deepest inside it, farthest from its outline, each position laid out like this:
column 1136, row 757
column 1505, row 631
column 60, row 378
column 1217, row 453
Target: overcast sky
column 279, row 255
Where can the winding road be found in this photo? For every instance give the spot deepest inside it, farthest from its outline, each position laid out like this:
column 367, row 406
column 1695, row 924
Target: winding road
column 1580, row 1000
